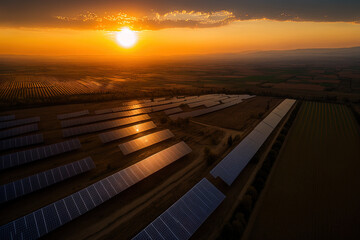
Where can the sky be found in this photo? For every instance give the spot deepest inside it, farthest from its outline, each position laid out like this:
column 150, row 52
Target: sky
column 167, row 27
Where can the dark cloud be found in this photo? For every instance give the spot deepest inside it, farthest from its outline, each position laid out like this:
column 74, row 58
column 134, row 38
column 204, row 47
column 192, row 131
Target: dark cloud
column 142, row 14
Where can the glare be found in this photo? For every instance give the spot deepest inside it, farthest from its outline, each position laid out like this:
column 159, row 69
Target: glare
column 126, row 37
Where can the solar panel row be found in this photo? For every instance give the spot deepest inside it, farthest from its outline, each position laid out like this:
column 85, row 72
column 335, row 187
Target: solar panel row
column 130, row 103
column 230, row 99
column 18, row 122
column 96, row 127
column 157, row 103
column 137, row 106
column 167, row 106
column 7, row 118
column 203, row 111
column 34, row 154
column 44, row 179
column 52, row 216
column 173, row 110
column 206, row 103
column 125, row 132
column 185, row 216
column 145, row 141
column 232, row 165
column 159, row 99
column 18, row 142
column 98, row 118
column 18, row 130
column 72, row 115
column 211, row 103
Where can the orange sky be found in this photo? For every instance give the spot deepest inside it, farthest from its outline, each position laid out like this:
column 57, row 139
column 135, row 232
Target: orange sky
column 237, row 36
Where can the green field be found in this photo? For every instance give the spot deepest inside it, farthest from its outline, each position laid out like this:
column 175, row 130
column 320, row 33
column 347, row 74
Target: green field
column 314, row 189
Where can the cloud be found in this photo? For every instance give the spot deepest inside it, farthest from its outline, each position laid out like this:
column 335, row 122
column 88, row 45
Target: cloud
column 153, row 21
column 157, row 14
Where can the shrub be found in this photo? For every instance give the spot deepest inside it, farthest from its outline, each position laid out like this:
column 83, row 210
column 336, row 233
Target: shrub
column 272, row 155
column 253, row 193
column 209, row 156
column 230, row 141
column 245, row 206
column 163, row 120
column 277, row 145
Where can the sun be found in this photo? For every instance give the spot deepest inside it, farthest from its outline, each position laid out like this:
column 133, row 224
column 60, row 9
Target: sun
column 126, row 37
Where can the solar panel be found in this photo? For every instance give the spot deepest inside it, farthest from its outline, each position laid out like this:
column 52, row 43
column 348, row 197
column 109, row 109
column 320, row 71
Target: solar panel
column 96, row 127
column 52, row 216
column 173, row 110
column 18, row 122
column 12, row 132
column 126, row 105
column 230, row 99
column 164, row 107
column 127, row 108
column 34, row 154
column 102, row 111
column 203, row 111
column 272, row 120
column 233, row 164
column 7, row 118
column 125, row 132
column 185, row 216
column 18, row 142
column 211, row 103
column 44, row 179
column 98, row 118
column 73, row 115
column 145, row 141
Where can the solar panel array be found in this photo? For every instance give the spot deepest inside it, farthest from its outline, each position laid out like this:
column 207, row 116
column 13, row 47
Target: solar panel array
column 186, row 215
column 173, row 110
column 103, row 125
column 18, row 122
column 7, row 118
column 130, row 103
column 168, row 102
column 203, row 111
column 73, row 115
column 125, row 132
column 232, row 165
column 144, row 104
column 52, row 216
column 145, row 141
column 17, row 142
column 18, row 130
column 98, row 118
column 34, row 154
column 44, row 179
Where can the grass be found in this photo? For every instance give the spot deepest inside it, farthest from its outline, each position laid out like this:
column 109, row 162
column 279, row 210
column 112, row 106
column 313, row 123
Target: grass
column 313, row 190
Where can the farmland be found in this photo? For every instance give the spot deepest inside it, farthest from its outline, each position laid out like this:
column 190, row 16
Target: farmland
column 312, row 191
column 44, row 81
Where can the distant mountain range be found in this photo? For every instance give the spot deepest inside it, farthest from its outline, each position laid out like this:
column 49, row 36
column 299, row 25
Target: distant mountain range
column 351, row 54
column 323, row 54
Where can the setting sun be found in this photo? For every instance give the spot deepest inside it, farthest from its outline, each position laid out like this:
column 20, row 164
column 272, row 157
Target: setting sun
column 126, row 38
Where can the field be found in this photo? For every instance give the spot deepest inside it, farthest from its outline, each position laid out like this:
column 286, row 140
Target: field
column 130, row 211
column 313, row 189
column 44, row 81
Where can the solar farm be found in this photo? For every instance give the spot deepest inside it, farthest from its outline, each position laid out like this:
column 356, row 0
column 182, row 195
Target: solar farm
column 131, row 169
